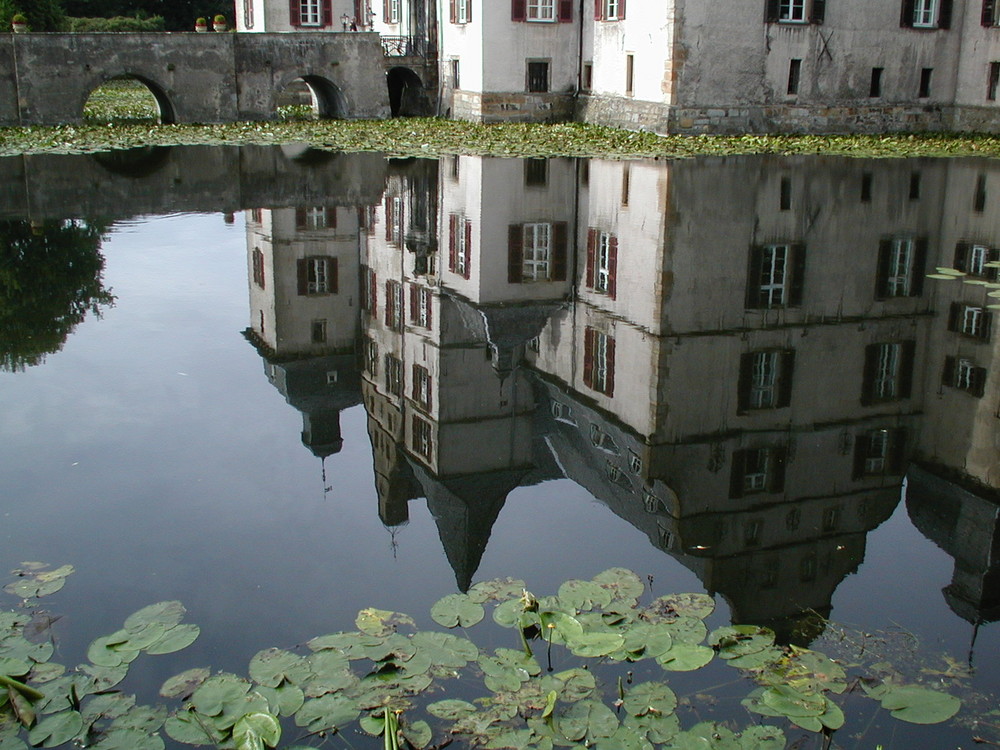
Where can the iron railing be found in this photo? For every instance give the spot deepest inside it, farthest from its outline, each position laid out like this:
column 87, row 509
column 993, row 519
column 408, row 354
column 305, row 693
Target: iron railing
column 402, row 46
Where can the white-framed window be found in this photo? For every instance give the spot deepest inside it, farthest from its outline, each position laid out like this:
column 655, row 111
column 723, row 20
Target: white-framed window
column 371, row 357
column 563, row 413
column 979, row 255
column 602, row 270
column 316, row 217
column 886, row 372
column 319, row 331
column 925, row 13
column 773, row 275
column 755, row 477
column 462, row 249
column 393, row 375
column 318, row 279
column 536, row 264
column 248, row 14
column 792, row 11
column 877, row 452
column 965, row 374
column 603, row 441
column 611, row 10
column 541, row 10
column 600, row 378
column 423, row 441
column 393, row 8
column 462, row 11
column 764, row 380
column 900, row 268
column 422, row 386
column 310, row 13
column 972, row 321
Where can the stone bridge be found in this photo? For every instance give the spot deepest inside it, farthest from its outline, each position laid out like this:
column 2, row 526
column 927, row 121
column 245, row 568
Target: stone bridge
column 46, row 79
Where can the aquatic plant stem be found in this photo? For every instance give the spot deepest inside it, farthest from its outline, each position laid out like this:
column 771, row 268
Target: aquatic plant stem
column 28, row 692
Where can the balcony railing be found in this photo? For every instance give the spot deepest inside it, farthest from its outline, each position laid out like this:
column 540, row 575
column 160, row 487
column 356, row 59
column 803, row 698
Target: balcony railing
column 402, row 46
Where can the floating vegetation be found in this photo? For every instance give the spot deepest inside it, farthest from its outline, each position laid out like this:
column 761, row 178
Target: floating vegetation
column 435, row 137
column 386, row 678
column 121, row 101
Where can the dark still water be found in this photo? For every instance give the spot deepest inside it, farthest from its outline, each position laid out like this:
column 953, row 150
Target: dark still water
column 320, row 382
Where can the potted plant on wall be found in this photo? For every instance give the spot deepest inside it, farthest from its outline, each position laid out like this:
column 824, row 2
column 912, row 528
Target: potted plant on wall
column 219, row 23
column 19, row 23
column 201, row 25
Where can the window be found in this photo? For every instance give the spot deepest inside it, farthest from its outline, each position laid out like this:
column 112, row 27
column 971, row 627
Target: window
column 369, row 290
column 460, row 245
column 888, row 372
column 993, row 81
column 257, row 262
column 588, row 76
column 756, row 470
column 394, row 305
column 977, row 259
column 538, row 76
column 610, row 10
column 979, row 197
column 310, row 13
column 926, row 14
column 454, row 73
column 422, row 387
column 563, row 413
column 248, row 14
column 394, row 219
column 599, row 361
column 541, row 10
column 794, row 74
column 390, row 11
column 393, row 375
column 866, row 187
column 371, row 357
column 423, row 441
column 879, row 452
column 634, row 462
column 629, row 74
column 603, row 441
column 420, row 306
column 990, row 10
column 536, row 172
column 915, row 181
column 602, row 262
column 317, row 275
column 319, row 331
column 875, row 87
column 795, row 11
column 751, row 532
column 970, row 320
column 962, row 374
column 626, row 184
column 537, row 252
column 776, row 276
column 901, row 267
column 765, row 380
column 315, row 217
column 785, row 199
column 925, row 83
column 463, row 11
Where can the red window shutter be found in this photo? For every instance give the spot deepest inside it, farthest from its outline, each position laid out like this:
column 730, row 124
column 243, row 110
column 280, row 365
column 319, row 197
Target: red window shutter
column 300, row 218
column 390, row 218
column 385, row 11
column 414, row 303
column 560, row 232
column 468, row 10
column 334, row 281
column 327, row 13
column 515, row 253
column 613, row 268
column 598, row 10
column 609, row 365
column 390, row 304
column 565, row 11
column 293, row 12
column 331, row 217
column 453, row 11
column 425, row 293
column 621, row 10
column 588, row 357
column 518, row 11
column 302, row 273
column 468, row 249
column 452, row 242
column 591, row 256
column 373, row 292
column 415, row 387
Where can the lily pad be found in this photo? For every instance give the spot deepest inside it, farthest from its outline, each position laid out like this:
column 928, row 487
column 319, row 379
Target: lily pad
column 185, row 683
column 273, row 666
column 622, row 583
column 650, row 697
column 175, row 639
column 497, row 589
column 380, row 622
column 584, row 595
column 255, row 731
column 587, row 719
column 559, row 627
column 167, row 614
column 56, row 729
column 685, row 657
column 452, row 709
column 673, row 606
column 328, row 713
column 457, row 610
column 596, row 644
column 920, row 705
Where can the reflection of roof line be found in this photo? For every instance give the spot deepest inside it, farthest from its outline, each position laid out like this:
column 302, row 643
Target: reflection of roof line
column 267, row 352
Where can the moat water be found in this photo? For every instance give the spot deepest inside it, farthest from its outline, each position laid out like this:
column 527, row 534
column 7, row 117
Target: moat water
column 281, row 386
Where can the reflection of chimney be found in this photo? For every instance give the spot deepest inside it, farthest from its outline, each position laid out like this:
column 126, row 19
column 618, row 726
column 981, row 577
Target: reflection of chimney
column 321, row 432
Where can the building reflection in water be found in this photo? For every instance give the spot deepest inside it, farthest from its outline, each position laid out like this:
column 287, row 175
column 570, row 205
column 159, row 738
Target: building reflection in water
column 740, row 357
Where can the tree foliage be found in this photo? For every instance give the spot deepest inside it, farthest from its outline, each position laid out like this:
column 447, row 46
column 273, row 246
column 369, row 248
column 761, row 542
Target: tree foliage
column 50, row 278
column 178, row 15
column 42, row 15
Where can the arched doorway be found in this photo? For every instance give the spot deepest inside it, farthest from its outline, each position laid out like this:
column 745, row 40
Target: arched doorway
column 128, row 99
column 407, row 97
column 310, row 98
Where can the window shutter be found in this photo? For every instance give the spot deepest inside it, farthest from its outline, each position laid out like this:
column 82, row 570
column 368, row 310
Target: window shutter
column 787, row 364
column 948, row 374
column 989, row 12
column 798, row 275
column 598, row 10
column 994, row 257
column 332, row 270
column 882, row 271
column 414, row 380
column 468, row 249
column 300, row 218
column 560, row 233
column 517, row 10
column 609, row 368
column 452, row 242
column 386, row 13
column 588, row 357
column 753, row 277
column 302, row 274
column 390, row 304
column 390, row 218
column 978, row 385
column 868, row 378
column 515, row 253
column 468, row 10
column 613, row 267
column 565, row 11
column 906, row 15
column 944, row 15
column 738, row 474
column 293, row 12
column 897, row 451
column 779, row 457
column 414, row 303
column 818, row 13
column 373, row 292
column 987, row 326
column 621, row 10
column 327, row 13
column 591, row 256
column 917, row 271
column 771, row 11
column 745, row 384
column 861, row 446
column 908, row 349
column 427, row 298
column 962, row 256
column 954, row 314
column 453, row 11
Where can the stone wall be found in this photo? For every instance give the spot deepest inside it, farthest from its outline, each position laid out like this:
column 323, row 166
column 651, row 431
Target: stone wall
column 503, row 106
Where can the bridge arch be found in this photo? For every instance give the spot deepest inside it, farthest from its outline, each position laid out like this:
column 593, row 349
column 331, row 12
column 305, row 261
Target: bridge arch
column 407, row 97
column 328, row 101
column 166, row 112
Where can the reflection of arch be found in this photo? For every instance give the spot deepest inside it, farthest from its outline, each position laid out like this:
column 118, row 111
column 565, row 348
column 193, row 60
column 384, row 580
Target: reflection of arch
column 406, row 93
column 134, row 162
column 329, row 102
column 166, row 114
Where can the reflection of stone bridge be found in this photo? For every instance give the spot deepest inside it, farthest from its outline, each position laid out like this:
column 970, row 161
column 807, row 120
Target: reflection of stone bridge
column 45, row 79
column 158, row 180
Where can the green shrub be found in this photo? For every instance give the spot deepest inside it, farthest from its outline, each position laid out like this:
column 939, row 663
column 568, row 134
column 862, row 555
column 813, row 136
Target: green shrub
column 118, row 23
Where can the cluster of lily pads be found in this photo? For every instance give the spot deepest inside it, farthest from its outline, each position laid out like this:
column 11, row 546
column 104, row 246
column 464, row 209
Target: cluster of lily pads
column 567, row 681
column 946, row 273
